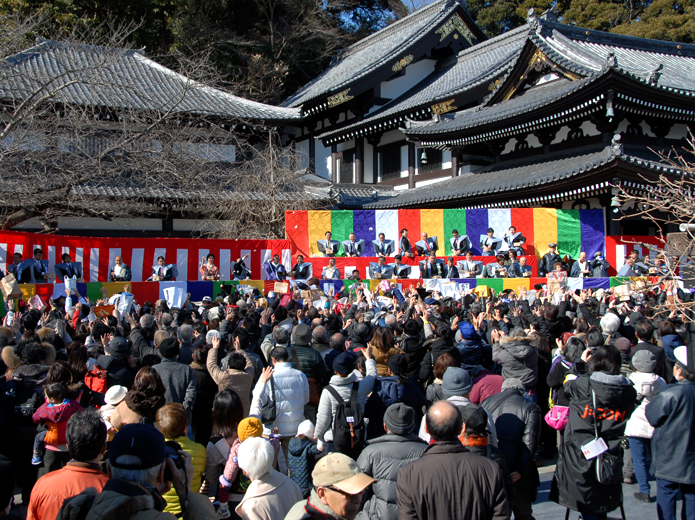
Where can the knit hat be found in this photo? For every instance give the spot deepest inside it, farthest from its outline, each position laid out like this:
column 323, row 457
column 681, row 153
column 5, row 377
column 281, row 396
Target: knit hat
column 249, row 427
column 343, row 364
column 644, row 361
column 474, row 417
column 398, row 364
column 118, row 346
column 400, row 419
column 141, row 440
column 169, row 348
column 456, row 381
column 301, row 335
column 341, row 472
column 467, row 330
column 623, row 345
column 306, row 428
column 115, row 394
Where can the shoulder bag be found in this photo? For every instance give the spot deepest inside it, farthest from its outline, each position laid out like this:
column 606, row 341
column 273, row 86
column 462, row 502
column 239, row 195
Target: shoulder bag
column 609, row 468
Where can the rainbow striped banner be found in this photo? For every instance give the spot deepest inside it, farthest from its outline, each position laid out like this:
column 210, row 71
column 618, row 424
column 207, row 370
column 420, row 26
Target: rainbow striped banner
column 573, row 230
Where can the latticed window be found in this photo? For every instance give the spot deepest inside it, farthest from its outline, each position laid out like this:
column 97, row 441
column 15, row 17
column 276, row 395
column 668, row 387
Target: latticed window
column 390, row 162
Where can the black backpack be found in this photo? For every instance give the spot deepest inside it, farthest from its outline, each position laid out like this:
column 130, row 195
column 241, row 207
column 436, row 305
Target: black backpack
column 348, row 423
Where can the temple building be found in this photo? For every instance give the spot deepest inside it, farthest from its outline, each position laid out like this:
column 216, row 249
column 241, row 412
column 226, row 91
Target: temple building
column 545, row 115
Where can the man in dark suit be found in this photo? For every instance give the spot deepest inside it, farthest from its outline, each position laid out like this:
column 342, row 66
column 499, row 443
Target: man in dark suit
column 451, row 270
column 404, row 244
column 431, row 267
column 39, row 267
column 400, row 270
column 301, row 269
column 549, row 259
column 70, row 269
column 468, row 268
column 161, row 272
column 13, row 268
column 382, row 247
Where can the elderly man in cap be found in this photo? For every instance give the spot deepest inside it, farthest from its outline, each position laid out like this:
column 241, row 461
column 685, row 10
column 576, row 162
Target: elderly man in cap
column 337, row 494
column 305, row 359
column 116, row 363
column 548, row 261
column 179, row 383
column 456, row 388
column 518, row 421
column 449, row 481
column 385, row 455
column 673, row 443
column 141, row 468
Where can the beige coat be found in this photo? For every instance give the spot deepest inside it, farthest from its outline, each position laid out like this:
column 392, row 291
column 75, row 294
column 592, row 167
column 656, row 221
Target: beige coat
column 123, row 415
column 269, row 497
column 239, row 381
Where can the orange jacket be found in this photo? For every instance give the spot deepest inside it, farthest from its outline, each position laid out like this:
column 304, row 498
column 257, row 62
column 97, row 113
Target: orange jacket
column 52, row 489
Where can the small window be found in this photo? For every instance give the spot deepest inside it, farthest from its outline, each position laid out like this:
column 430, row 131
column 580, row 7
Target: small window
column 429, row 160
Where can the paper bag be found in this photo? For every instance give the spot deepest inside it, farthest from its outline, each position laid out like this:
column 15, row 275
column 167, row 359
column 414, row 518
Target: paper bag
column 10, row 288
column 70, row 284
column 103, row 311
column 37, row 302
column 385, row 286
column 123, row 302
column 281, row 287
column 175, row 297
column 554, row 286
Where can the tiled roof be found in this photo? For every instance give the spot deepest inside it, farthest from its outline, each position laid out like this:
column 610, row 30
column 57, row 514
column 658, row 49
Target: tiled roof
column 98, row 76
column 517, row 175
column 527, row 101
column 472, row 67
column 590, row 54
column 368, row 54
column 582, row 50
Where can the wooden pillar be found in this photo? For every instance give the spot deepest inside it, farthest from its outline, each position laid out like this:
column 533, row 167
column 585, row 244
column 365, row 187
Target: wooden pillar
column 359, row 160
column 454, row 164
column 293, row 156
column 312, row 153
column 334, row 163
column 411, row 165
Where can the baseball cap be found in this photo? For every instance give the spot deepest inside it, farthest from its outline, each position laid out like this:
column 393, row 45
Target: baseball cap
column 207, row 299
column 341, row 472
column 474, row 417
column 141, row 440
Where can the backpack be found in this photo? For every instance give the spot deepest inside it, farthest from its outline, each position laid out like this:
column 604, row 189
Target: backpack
column 348, row 423
column 95, row 380
column 27, row 394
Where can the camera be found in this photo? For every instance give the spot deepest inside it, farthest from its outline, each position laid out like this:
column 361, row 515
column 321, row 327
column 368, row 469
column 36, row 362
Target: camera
column 171, row 450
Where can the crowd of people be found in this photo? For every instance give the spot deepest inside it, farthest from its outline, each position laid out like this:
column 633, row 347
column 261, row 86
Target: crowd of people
column 269, row 406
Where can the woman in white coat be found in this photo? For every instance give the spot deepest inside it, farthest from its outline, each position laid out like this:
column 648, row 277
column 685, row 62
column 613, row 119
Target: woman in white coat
column 638, row 430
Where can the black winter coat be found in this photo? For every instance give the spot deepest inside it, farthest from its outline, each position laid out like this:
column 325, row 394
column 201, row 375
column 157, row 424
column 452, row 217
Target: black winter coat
column 117, row 372
column 381, row 459
column 518, row 425
column 671, row 412
column 574, row 483
column 437, row 347
column 497, row 456
column 415, row 351
column 451, row 482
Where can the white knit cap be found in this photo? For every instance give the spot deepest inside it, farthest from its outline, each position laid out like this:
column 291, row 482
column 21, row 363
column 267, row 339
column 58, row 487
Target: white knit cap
column 115, row 394
column 306, row 428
